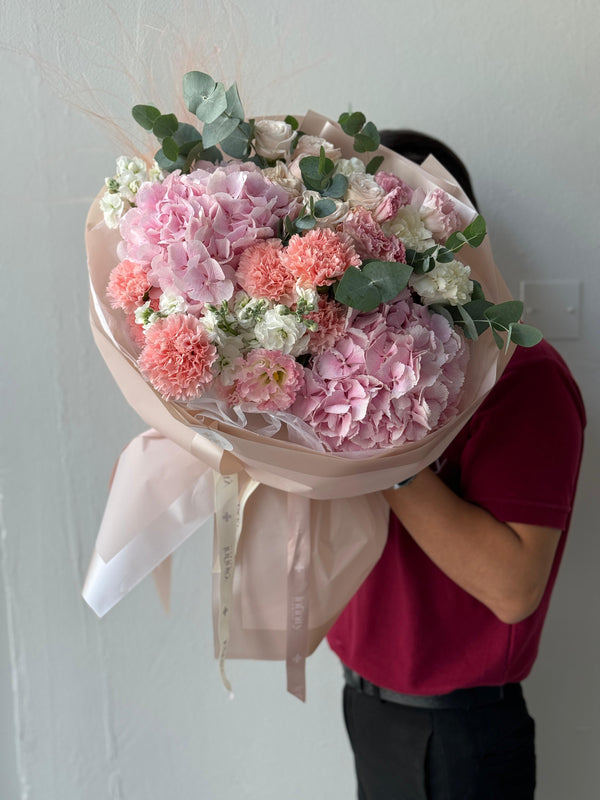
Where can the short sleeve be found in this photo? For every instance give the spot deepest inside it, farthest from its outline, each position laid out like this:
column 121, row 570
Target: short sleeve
column 521, row 460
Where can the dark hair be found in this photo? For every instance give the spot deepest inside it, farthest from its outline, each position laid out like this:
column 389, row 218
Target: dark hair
column 417, row 146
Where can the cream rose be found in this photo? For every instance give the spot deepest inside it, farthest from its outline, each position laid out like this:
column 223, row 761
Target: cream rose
column 272, row 138
column 363, row 190
column 281, row 175
column 335, row 218
column 311, row 146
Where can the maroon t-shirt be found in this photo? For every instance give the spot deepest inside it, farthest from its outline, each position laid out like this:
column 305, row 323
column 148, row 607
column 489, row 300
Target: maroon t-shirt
column 409, row 627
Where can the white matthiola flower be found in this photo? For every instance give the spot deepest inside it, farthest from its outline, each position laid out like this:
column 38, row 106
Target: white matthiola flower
column 408, row 226
column 113, row 207
column 363, row 190
column 231, row 348
column 308, row 296
column 445, row 283
column 145, row 315
column 348, row 166
column 155, row 173
column 172, row 304
column 249, row 310
column 280, row 330
column 131, row 173
column 219, row 323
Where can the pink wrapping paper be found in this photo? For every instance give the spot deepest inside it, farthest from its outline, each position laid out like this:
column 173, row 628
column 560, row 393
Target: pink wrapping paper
column 300, row 556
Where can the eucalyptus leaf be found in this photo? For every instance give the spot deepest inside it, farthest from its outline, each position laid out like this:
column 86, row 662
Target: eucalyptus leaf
column 503, row 314
column 166, row 164
column 470, row 327
column 367, row 140
column 193, row 154
column 337, row 188
column 377, row 282
column 145, row 116
column 374, row 165
column 165, row 125
column 217, row 131
column 524, row 335
column 211, row 108
column 197, row 87
column 444, row 256
column 473, row 235
column 186, row 137
column 498, row 339
column 237, row 144
column 312, row 177
column 170, row 148
column 477, row 293
column 476, row 310
column 292, row 121
column 305, row 223
column 324, row 207
column 234, row 104
column 352, row 123
column 212, row 154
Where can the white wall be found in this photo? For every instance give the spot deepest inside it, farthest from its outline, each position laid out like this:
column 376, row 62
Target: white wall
column 130, row 707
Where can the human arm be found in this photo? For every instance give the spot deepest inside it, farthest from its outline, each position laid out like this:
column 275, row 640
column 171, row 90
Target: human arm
column 503, row 565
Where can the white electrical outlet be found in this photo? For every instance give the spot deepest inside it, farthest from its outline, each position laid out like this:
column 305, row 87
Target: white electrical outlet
column 553, row 306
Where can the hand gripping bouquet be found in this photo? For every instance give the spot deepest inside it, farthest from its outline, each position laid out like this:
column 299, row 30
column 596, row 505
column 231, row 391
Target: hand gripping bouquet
column 304, row 318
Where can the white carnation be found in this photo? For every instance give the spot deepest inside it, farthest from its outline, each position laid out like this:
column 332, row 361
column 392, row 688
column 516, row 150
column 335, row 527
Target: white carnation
column 280, row 330
column 445, row 283
column 408, row 226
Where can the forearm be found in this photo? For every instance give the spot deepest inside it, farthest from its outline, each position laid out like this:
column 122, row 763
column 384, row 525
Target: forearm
column 504, row 566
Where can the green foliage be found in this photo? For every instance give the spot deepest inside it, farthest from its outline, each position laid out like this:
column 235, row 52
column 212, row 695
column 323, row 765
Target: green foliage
column 292, row 121
column 324, row 207
column 377, row 282
column 473, row 235
column 352, row 123
column 145, row 116
column 367, row 140
column 165, row 125
column 374, row 165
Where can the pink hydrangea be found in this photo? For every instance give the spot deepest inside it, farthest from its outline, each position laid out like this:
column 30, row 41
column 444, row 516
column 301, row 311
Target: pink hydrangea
column 127, row 285
column 224, row 209
column 268, row 380
column 319, row 257
column 439, row 214
column 331, row 318
column 369, row 239
column 177, row 357
column 261, row 272
column 394, row 376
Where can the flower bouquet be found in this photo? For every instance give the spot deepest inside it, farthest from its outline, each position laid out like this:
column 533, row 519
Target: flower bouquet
column 303, row 315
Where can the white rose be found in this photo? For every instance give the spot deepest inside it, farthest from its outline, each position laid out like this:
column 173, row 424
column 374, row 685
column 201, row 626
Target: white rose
column 409, row 227
column 445, row 283
column 113, row 207
column 272, row 138
column 335, row 218
column 311, row 146
column 281, row 175
column 348, row 166
column 281, row 331
column 363, row 190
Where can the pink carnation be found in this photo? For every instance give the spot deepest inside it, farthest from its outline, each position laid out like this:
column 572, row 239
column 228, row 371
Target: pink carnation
column 331, row 317
column 370, row 240
column 394, row 376
column 127, row 285
column 392, row 183
column 136, row 331
column 390, row 205
column 262, row 274
column 177, row 357
column 439, row 214
column 319, row 257
column 267, row 379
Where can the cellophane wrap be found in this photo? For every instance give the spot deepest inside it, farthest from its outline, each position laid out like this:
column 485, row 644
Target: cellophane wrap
column 311, row 524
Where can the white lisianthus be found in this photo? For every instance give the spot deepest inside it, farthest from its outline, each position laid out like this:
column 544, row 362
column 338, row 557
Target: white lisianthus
column 281, row 175
column 280, row 330
column 445, row 283
column 113, row 207
column 272, row 138
column 408, row 226
column 172, row 304
column 350, row 166
column 335, row 218
column 363, row 190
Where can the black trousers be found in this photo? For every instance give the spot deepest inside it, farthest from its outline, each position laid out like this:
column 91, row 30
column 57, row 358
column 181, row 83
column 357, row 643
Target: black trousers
column 406, row 753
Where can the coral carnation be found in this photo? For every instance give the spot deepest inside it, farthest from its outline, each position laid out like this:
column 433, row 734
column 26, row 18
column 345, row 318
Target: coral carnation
column 127, row 285
column 261, row 273
column 178, row 356
column 319, row 257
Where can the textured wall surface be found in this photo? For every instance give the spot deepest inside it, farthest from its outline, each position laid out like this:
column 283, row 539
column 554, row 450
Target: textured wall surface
column 131, row 707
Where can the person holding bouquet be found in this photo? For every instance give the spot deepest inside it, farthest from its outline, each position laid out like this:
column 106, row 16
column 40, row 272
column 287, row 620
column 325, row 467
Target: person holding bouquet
column 437, row 640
